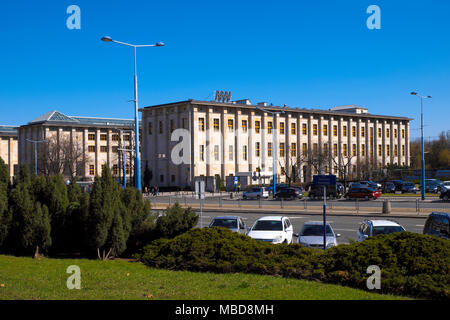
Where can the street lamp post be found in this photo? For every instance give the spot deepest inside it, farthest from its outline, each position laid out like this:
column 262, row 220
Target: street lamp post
column 35, row 142
column 421, row 131
column 136, row 112
column 274, row 153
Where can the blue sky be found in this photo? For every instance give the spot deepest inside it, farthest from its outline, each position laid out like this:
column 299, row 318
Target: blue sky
column 313, row 54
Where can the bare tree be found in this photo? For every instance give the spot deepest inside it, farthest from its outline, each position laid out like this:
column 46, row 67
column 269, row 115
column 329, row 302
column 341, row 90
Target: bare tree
column 61, row 155
column 342, row 163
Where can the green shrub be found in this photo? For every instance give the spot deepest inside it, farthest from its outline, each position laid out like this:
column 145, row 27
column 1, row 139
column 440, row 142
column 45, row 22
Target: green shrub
column 411, row 264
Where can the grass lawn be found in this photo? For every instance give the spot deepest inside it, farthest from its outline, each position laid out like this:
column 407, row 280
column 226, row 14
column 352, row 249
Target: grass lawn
column 26, row 278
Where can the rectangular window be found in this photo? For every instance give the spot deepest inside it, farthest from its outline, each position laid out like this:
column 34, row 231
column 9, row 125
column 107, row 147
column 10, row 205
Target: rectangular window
column 282, row 171
column 379, row 150
column 244, row 153
column 335, row 131
column 150, row 128
column 172, row 125
column 353, row 131
column 325, row 130
column 293, row 128
column 244, row 125
column 126, row 137
column 160, row 127
column 344, row 131
column 91, row 148
column 293, row 149
column 91, row 170
column 344, row 150
column 354, row 150
column 184, row 123
column 379, row 132
column 216, row 125
column 230, row 125
column 281, row 127
column 363, row 150
column 403, row 150
column 387, row 133
column 281, row 149
column 269, row 127
column 115, row 149
column 91, row 136
column 363, row 131
column 115, row 169
column 161, row 178
column 315, row 149
column 335, row 150
column 257, row 149
column 103, row 149
column 325, row 148
column 315, row 129
column 304, row 149
column 201, row 124
column 304, row 129
column 403, row 133
column 395, row 133
column 115, row 137
column 202, row 153
column 257, row 126
column 230, row 153
column 395, row 151
column 103, row 137
column 388, row 150
column 269, row 149
column 216, row 153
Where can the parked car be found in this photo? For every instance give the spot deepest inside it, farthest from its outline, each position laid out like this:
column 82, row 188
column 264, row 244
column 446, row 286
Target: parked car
column 370, row 228
column 438, row 224
column 273, row 229
column 445, row 195
column 234, row 223
column 369, row 184
column 446, row 184
column 311, row 235
column 433, row 186
column 256, row 193
column 362, row 193
column 409, row 187
column 398, row 184
column 289, row 193
column 388, row 187
column 333, row 192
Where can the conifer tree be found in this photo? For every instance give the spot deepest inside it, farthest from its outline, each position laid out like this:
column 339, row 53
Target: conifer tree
column 5, row 216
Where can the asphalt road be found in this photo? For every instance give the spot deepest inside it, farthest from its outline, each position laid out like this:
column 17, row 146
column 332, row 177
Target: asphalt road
column 397, row 202
column 345, row 225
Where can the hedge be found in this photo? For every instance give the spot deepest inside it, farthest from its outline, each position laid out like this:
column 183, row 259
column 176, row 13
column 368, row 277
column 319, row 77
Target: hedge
column 411, row 264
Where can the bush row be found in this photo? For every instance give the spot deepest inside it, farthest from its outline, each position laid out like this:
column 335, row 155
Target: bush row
column 411, row 264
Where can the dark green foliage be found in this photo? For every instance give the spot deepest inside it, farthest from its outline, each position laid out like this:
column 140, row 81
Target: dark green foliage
column 411, row 264
column 109, row 223
column 142, row 220
column 5, row 216
column 174, row 221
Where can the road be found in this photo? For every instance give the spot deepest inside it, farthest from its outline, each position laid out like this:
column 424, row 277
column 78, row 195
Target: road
column 344, row 225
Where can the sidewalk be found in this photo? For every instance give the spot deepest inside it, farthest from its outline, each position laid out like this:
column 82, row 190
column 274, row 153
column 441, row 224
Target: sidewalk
column 337, row 211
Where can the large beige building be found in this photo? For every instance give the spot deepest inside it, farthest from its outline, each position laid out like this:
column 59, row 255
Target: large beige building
column 8, row 148
column 227, row 139
column 78, row 146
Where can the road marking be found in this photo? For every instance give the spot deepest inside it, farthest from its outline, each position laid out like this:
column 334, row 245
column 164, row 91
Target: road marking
column 345, row 230
column 419, row 225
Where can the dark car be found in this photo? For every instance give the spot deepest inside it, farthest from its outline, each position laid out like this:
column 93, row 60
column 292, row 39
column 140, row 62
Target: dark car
column 388, row 187
column 445, row 195
column 362, row 193
column 398, row 184
column 438, row 224
column 409, row 187
column 333, row 192
column 433, row 186
column 289, row 193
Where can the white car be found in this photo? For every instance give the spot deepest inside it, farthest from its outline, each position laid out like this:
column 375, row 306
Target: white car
column 446, row 184
column 274, row 229
column 311, row 235
column 256, row 193
column 370, row 228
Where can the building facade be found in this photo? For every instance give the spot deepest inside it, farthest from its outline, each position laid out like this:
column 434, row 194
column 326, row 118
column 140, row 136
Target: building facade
column 77, row 146
column 8, row 148
column 185, row 140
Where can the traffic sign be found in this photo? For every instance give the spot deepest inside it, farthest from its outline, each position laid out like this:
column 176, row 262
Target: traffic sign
column 324, row 180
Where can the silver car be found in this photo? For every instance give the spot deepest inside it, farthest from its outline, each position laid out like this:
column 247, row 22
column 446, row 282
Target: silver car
column 311, row 235
column 234, row 223
column 256, row 193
